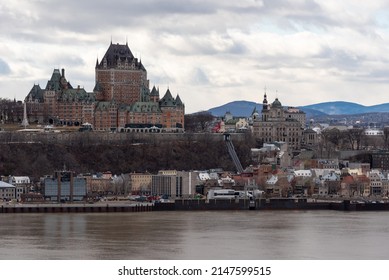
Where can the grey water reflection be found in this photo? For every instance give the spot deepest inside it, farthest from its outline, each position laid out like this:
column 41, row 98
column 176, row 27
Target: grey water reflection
column 196, row 235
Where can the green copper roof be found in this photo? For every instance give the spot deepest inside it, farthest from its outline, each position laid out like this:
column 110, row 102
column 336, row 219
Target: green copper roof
column 77, row 95
column 57, row 81
column 276, row 104
column 178, row 101
column 154, row 92
column 105, row 105
column 36, row 93
column 145, row 107
column 167, row 100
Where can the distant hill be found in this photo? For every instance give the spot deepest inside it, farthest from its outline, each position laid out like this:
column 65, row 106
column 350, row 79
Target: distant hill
column 346, row 108
column 245, row 108
column 236, row 108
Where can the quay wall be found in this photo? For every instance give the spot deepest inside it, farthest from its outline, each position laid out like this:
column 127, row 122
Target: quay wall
column 258, row 204
column 73, row 208
column 269, row 204
column 198, row 205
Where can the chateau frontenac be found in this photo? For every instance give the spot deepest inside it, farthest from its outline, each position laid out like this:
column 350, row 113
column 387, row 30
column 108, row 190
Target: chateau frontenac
column 121, row 99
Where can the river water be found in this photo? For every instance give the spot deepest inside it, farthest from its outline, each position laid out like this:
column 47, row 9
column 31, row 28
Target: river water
column 278, row 235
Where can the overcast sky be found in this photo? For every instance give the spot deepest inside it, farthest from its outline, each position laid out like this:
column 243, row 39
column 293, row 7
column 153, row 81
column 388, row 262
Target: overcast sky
column 210, row 52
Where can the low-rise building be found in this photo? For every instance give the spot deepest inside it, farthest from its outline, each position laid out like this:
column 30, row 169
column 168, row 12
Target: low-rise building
column 22, row 183
column 140, row 183
column 174, row 183
column 376, row 178
column 7, row 191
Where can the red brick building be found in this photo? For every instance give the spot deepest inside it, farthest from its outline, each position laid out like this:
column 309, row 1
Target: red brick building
column 121, row 98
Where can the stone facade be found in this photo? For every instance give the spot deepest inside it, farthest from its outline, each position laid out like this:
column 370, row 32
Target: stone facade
column 279, row 124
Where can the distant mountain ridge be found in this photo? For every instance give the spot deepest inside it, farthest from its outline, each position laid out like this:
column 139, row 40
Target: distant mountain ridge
column 245, row 108
column 346, row 108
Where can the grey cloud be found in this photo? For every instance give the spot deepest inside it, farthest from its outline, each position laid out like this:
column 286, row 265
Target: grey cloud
column 377, row 75
column 199, row 77
column 85, row 16
column 341, row 59
column 173, row 16
column 4, row 68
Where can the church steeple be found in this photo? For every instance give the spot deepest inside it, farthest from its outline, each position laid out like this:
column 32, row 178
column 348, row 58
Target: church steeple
column 264, row 102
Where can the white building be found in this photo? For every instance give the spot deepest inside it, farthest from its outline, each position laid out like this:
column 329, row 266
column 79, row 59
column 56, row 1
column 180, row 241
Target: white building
column 374, row 132
column 7, row 191
column 22, row 183
column 302, row 173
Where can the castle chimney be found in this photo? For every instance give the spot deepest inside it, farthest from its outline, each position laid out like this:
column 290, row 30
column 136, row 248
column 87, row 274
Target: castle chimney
column 63, row 73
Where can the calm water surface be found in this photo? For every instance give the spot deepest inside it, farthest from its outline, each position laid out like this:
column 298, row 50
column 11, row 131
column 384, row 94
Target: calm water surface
column 196, row 235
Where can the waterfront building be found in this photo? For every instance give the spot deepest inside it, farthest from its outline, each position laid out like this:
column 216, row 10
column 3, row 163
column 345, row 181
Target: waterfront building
column 174, row 183
column 140, row 183
column 7, row 191
column 22, row 184
column 376, row 182
column 279, row 124
column 121, row 98
column 348, row 186
column 64, row 186
column 100, row 184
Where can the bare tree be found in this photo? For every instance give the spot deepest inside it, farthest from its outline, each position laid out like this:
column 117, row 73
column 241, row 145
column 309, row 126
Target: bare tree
column 198, row 122
column 354, row 137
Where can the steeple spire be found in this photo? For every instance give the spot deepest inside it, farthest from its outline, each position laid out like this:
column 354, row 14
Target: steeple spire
column 264, row 102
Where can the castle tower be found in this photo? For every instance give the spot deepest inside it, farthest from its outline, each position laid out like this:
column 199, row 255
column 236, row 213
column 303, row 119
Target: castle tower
column 121, row 76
